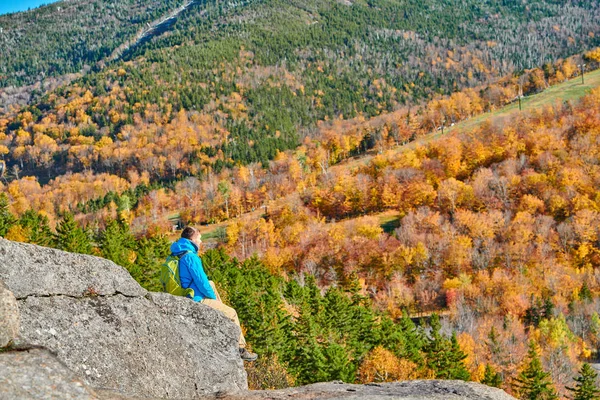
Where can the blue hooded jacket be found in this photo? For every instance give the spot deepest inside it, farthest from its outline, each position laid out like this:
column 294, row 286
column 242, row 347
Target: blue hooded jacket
column 191, row 272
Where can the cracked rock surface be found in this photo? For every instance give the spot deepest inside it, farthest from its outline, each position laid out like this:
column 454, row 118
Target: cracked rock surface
column 114, row 334
column 409, row 390
column 35, row 373
column 9, row 316
column 30, row 270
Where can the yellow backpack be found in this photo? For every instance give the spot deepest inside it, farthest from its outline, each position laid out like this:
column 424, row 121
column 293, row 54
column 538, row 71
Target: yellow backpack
column 169, row 277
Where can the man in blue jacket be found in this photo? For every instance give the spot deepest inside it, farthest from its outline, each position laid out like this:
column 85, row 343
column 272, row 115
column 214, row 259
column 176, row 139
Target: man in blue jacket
column 192, row 275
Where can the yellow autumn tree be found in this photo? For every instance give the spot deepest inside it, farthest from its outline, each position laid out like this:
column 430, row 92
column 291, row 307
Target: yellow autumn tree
column 381, row 365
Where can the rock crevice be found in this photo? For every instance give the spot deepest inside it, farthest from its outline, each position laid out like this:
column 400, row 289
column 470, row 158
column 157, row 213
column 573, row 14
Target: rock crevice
column 81, row 296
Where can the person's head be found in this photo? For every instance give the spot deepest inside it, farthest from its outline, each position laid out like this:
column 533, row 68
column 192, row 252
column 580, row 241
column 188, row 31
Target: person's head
column 192, row 234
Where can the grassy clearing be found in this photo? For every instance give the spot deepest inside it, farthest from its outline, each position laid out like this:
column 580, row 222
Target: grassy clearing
column 571, row 90
column 567, row 91
column 389, row 221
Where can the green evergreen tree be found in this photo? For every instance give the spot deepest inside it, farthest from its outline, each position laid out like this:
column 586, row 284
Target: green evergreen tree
column 338, row 365
column 353, row 322
column 71, row 237
column 491, row 377
column 308, row 363
column 586, row 387
column 37, row 228
column 390, row 336
column 364, row 332
column 456, row 358
column 150, row 252
column 256, row 296
column 116, row 244
column 293, row 292
column 444, row 356
column 312, row 295
column 533, row 383
column 7, row 220
column 435, row 347
column 415, row 340
column 337, row 313
column 585, row 294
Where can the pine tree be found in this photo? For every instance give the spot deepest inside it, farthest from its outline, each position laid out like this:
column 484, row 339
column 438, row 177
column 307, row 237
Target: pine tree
column 313, row 295
column 533, row 383
column 116, row 243
column 150, row 254
column 7, row 220
column 585, row 294
column 364, row 330
column 491, row 377
column 586, row 387
column 255, row 293
column 70, row 237
column 338, row 365
column 293, row 292
column 456, row 358
column 308, row 362
column 435, row 347
column 390, row 337
column 351, row 321
column 415, row 340
column 337, row 313
column 444, row 356
column 37, row 228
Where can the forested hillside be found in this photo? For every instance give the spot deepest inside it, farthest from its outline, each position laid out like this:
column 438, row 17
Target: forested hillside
column 64, row 37
column 231, row 85
column 256, row 116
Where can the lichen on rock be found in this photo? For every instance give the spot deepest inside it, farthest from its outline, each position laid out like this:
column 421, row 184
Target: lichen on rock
column 9, row 316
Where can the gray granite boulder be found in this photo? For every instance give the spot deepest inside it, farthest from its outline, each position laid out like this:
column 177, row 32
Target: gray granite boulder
column 114, row 334
column 30, row 270
column 37, row 374
column 408, row 390
column 9, row 316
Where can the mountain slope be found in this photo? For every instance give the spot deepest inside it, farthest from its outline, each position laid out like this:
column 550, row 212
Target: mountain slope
column 240, row 108
column 258, row 77
column 63, row 37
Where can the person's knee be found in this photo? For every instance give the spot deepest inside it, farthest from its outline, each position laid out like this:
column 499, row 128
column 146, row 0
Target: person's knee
column 231, row 311
column 225, row 309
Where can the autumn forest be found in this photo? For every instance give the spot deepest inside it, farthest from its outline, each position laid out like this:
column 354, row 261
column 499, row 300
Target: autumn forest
column 379, row 190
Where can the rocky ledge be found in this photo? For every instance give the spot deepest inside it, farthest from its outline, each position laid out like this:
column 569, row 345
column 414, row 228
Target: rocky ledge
column 409, row 390
column 105, row 328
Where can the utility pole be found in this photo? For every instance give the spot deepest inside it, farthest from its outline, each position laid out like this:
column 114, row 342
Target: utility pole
column 582, row 68
column 520, row 96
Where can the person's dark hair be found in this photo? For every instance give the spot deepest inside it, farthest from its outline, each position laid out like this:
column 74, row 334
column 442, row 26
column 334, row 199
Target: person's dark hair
column 189, row 232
